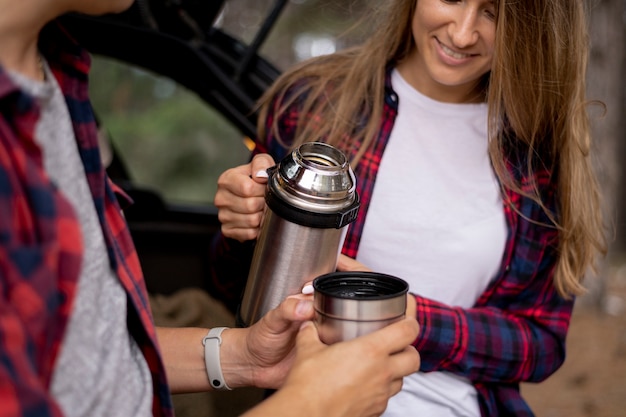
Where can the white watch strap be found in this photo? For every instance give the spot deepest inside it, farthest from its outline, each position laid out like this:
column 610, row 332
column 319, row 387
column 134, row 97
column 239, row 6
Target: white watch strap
column 212, row 342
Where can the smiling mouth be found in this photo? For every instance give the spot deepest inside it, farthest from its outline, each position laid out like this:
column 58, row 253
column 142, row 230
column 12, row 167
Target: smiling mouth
column 451, row 53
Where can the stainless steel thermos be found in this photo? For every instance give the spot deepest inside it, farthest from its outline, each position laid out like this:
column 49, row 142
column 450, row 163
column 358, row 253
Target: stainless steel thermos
column 311, row 199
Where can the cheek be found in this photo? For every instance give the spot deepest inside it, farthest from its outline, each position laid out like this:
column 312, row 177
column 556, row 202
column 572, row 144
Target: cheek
column 420, row 28
column 489, row 52
column 489, row 40
column 489, row 36
column 423, row 20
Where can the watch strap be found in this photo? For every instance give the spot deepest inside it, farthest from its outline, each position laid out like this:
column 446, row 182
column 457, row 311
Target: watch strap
column 212, row 343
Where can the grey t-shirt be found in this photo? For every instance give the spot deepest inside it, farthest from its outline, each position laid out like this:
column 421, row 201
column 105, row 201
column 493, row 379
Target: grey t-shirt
column 100, row 370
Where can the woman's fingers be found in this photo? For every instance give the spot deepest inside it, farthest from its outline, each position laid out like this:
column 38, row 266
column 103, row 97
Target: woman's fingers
column 235, row 219
column 394, row 337
column 345, row 263
column 240, row 198
column 259, row 165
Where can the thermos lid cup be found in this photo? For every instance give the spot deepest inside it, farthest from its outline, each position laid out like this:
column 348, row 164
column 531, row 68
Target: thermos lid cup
column 360, row 296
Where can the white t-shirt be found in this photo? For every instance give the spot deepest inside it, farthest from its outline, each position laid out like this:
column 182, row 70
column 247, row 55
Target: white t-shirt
column 436, row 220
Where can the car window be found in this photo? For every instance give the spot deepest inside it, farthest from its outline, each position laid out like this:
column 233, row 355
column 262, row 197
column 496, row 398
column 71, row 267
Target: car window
column 304, row 29
column 168, row 139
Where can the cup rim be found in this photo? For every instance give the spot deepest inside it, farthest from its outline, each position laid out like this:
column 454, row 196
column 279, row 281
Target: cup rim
column 328, row 284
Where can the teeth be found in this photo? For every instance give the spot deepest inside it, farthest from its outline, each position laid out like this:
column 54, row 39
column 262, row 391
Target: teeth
column 452, row 53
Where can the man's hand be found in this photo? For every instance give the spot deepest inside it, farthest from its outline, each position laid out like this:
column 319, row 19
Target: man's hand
column 267, row 347
column 347, row 379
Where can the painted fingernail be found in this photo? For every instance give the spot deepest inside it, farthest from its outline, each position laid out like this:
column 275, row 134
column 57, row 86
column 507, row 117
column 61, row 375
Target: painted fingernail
column 307, row 289
column 261, row 174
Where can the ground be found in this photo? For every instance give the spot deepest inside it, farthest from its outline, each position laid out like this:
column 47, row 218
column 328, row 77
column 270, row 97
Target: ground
column 591, row 382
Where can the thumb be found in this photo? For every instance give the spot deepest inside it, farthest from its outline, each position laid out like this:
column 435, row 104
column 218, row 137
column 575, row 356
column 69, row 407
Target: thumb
column 308, row 340
column 294, row 309
column 259, row 165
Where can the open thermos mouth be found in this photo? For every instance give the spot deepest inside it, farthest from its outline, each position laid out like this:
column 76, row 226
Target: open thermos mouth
column 313, row 186
column 351, row 304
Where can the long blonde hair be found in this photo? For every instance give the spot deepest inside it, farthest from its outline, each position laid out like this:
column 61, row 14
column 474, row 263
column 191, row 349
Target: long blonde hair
column 536, row 87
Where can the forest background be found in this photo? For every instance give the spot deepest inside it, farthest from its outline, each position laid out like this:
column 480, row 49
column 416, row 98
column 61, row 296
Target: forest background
column 178, row 145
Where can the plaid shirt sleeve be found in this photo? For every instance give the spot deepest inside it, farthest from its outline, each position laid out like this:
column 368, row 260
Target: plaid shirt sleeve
column 516, row 330
column 38, row 271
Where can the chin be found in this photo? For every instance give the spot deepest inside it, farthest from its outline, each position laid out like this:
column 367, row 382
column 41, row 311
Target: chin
column 123, row 5
column 100, row 7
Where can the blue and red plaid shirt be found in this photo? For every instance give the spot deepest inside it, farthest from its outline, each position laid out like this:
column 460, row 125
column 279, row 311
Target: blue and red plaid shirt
column 41, row 244
column 516, row 331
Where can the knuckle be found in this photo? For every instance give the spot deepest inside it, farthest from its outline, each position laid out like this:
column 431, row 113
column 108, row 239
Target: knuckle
column 218, row 200
column 248, row 188
column 251, row 206
column 249, row 234
column 417, row 361
column 223, row 217
column 224, row 179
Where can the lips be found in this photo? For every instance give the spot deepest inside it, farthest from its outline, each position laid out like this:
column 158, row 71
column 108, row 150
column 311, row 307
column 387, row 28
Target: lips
column 450, row 53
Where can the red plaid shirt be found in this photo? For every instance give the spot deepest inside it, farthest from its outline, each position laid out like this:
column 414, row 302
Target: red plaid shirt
column 41, row 245
column 516, row 331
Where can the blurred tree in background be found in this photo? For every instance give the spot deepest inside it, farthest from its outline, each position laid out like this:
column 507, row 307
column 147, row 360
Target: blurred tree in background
column 607, row 66
column 170, row 140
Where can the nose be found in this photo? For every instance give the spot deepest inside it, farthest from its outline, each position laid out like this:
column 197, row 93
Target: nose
column 464, row 29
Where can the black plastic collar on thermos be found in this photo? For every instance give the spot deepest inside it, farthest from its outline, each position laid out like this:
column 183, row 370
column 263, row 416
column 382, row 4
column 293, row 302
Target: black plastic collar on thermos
column 307, row 218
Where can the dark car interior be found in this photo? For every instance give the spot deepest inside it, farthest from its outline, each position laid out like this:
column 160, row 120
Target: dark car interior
column 227, row 74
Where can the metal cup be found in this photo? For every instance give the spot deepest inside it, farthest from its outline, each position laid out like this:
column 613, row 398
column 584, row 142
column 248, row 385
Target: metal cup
column 352, row 304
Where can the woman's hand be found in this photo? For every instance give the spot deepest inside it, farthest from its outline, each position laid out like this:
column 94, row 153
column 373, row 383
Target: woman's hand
column 347, row 264
column 240, row 198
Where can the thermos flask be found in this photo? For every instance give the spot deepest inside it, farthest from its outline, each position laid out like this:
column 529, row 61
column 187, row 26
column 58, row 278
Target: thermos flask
column 311, row 199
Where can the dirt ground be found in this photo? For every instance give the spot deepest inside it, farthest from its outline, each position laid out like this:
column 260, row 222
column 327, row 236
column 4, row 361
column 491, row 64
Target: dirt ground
column 591, row 382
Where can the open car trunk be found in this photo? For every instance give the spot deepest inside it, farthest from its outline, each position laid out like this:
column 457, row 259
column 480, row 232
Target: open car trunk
column 179, row 40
